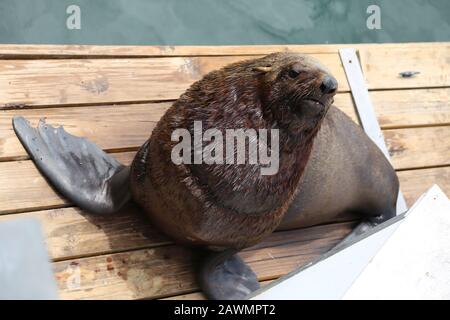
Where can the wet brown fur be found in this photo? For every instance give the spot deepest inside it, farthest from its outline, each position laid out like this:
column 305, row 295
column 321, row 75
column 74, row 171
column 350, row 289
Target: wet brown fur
column 232, row 206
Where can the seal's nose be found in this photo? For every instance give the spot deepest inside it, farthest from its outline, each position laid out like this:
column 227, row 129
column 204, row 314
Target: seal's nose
column 329, row 85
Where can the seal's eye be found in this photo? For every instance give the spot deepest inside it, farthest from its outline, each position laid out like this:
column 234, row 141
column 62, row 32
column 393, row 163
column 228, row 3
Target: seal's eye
column 293, row 73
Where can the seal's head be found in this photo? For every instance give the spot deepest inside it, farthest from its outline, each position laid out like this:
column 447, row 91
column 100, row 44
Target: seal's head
column 296, row 89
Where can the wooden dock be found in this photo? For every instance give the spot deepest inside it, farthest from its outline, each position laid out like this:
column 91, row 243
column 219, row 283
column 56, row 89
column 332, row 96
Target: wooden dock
column 115, row 95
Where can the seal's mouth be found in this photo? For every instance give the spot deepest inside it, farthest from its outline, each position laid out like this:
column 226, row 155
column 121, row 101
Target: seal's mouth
column 315, row 106
column 324, row 103
column 311, row 109
column 315, row 102
column 307, row 113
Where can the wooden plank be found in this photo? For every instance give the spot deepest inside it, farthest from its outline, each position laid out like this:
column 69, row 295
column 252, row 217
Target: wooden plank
column 382, row 67
column 166, row 271
column 419, row 147
column 71, row 233
column 416, row 182
column 113, row 128
column 409, row 148
column 64, row 51
column 30, row 189
column 420, row 107
column 84, row 81
column 23, row 188
column 125, row 127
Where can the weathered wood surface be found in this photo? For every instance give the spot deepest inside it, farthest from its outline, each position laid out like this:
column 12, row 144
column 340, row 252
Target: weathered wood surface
column 81, row 81
column 415, row 182
column 69, row 81
column 113, row 128
column 412, row 108
column 72, row 233
column 83, row 51
column 23, row 188
column 382, row 67
column 419, row 147
column 88, row 51
column 167, row 270
column 115, row 95
column 126, row 127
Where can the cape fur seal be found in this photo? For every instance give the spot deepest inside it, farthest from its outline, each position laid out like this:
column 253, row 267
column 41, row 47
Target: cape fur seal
column 226, row 207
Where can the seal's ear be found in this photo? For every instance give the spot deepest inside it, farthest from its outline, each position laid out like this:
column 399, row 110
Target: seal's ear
column 262, row 69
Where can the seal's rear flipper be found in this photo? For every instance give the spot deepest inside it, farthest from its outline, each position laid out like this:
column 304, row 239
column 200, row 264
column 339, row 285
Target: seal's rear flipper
column 225, row 276
column 76, row 167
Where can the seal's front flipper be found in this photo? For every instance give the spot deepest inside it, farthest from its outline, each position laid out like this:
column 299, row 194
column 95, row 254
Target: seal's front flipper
column 224, row 276
column 76, row 167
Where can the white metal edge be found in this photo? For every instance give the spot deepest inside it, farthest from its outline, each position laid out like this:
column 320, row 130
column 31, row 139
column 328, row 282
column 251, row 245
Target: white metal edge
column 332, row 276
column 414, row 262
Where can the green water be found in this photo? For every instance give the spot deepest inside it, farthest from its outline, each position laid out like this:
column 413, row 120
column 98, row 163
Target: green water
column 200, row 22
